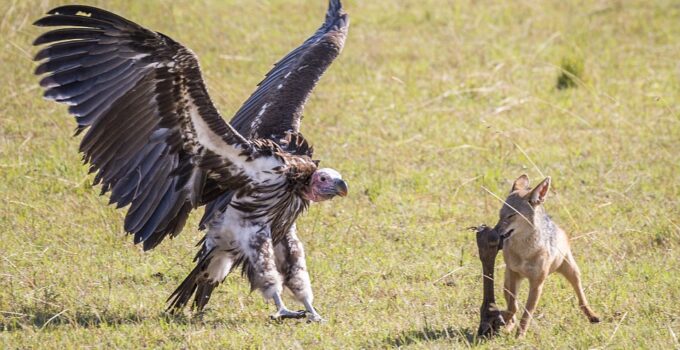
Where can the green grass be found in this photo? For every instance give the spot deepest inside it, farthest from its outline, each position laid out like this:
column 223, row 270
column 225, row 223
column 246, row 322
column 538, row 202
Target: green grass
column 431, row 103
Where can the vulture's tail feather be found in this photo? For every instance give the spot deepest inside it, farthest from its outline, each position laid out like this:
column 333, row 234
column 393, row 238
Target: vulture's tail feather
column 196, row 283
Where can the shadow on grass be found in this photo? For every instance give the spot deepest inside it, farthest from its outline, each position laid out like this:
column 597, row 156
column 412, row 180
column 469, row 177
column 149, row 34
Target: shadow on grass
column 39, row 319
column 429, row 334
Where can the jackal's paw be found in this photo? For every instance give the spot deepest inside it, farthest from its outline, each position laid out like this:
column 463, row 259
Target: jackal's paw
column 508, row 320
column 285, row 313
column 594, row 319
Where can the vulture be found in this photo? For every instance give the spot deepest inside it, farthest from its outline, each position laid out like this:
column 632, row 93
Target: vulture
column 156, row 142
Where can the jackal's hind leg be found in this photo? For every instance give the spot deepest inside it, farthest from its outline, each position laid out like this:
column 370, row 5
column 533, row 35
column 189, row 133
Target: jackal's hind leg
column 570, row 271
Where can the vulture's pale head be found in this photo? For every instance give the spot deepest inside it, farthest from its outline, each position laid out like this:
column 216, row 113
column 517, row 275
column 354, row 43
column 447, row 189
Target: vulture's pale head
column 325, row 184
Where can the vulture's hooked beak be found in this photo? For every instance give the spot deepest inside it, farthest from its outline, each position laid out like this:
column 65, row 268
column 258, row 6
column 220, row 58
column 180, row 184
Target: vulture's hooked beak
column 341, row 188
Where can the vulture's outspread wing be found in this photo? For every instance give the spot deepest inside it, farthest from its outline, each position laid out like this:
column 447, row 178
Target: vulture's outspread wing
column 152, row 133
column 276, row 105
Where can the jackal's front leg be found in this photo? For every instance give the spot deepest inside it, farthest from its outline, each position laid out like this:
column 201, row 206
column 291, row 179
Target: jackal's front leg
column 535, row 291
column 510, row 287
column 290, row 260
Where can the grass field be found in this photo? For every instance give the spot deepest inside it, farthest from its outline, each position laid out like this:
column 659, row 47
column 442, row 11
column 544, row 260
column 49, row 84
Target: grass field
column 432, row 105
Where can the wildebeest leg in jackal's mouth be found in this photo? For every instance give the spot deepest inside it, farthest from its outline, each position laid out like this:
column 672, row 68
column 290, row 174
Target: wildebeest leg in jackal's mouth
column 488, row 242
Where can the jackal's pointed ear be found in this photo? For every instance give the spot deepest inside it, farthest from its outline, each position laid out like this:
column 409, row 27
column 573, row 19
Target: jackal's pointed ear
column 539, row 192
column 522, row 183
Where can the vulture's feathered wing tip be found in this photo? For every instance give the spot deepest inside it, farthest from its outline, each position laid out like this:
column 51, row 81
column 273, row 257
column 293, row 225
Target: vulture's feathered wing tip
column 88, row 18
column 336, row 15
column 277, row 103
column 91, row 12
column 334, row 7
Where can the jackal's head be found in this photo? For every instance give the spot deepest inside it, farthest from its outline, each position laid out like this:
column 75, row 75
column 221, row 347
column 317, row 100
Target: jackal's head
column 519, row 209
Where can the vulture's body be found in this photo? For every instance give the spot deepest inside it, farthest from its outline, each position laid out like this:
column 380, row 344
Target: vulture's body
column 158, row 144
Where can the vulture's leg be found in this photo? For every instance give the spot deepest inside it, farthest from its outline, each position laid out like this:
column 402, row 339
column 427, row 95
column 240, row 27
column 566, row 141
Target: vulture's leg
column 290, row 260
column 263, row 274
column 282, row 312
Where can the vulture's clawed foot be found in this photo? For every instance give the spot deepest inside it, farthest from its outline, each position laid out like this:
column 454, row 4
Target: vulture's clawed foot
column 283, row 314
column 314, row 318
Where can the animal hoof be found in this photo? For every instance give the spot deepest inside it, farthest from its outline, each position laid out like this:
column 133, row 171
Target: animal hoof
column 487, row 330
column 491, row 322
column 594, row 319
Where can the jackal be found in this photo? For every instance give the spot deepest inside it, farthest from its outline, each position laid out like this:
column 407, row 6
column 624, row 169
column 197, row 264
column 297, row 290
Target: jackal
column 534, row 247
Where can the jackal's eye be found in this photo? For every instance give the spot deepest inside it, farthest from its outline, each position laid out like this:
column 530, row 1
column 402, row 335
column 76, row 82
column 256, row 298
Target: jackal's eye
column 511, row 216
